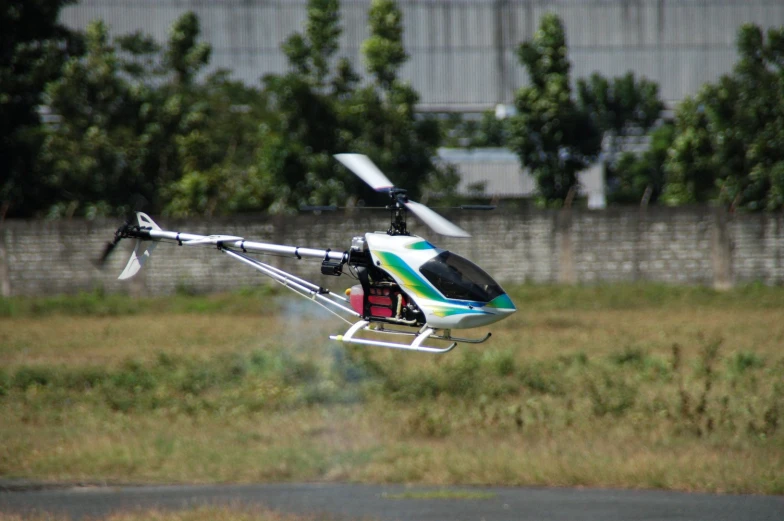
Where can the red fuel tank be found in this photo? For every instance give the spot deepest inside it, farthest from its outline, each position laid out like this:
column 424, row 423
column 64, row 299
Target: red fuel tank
column 356, row 295
column 384, row 302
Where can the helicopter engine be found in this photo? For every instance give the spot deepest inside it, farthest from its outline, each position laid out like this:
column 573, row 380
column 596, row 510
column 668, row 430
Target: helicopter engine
column 378, row 296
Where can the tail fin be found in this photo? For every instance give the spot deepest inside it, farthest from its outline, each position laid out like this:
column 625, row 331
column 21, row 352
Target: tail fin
column 142, row 250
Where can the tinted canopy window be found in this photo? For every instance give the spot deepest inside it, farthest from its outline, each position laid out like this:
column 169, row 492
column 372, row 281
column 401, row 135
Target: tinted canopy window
column 459, row 278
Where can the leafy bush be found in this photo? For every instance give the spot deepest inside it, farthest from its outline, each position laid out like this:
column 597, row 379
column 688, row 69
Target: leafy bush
column 630, row 355
column 744, row 361
column 610, row 395
column 26, row 377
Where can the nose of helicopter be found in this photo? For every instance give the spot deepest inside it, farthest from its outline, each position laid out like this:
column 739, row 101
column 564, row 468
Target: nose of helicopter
column 499, row 308
column 502, row 303
column 475, row 315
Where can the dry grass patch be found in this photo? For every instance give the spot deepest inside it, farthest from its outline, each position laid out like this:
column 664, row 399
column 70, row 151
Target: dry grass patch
column 625, row 387
column 109, row 341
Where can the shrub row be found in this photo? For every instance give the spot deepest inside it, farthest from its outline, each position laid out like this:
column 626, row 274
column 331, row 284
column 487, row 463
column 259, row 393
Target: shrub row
column 741, row 392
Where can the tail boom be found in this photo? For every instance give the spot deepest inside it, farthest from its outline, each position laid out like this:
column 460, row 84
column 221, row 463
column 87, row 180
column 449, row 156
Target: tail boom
column 147, row 230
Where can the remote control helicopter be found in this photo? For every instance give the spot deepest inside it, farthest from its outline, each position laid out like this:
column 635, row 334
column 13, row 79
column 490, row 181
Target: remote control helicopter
column 407, row 289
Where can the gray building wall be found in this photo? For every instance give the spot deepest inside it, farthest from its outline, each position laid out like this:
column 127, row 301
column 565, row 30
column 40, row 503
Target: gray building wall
column 463, row 51
column 495, row 173
column 673, row 245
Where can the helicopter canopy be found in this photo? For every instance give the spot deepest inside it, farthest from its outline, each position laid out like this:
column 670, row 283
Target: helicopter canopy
column 459, row 278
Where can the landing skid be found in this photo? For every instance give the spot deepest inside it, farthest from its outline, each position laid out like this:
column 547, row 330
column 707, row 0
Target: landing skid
column 416, row 345
column 380, row 328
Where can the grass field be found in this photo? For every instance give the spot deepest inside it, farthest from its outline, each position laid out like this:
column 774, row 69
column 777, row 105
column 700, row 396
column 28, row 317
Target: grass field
column 621, row 386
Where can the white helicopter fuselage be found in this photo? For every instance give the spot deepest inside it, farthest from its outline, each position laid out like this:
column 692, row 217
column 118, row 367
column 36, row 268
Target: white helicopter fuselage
column 451, row 291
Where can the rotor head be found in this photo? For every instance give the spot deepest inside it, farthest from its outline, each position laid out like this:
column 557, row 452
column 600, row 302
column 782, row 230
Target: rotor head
column 366, row 170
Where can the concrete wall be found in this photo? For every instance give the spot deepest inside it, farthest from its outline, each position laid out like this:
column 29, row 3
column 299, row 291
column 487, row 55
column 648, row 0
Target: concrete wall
column 681, row 246
column 463, row 51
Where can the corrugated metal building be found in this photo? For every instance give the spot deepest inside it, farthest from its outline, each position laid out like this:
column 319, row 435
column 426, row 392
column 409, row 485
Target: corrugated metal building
column 495, row 173
column 463, row 51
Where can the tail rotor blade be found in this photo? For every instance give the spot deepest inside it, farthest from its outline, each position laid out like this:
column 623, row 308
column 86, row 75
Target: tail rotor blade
column 436, row 222
column 107, row 251
column 110, row 246
column 366, row 170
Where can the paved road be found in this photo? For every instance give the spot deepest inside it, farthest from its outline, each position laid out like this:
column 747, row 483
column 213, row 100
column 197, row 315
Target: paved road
column 377, row 502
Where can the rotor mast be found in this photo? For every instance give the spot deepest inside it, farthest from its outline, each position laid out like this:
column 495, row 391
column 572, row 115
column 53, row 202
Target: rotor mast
column 397, row 207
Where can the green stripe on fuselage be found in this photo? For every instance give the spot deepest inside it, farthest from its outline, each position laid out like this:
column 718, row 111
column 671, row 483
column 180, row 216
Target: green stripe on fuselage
column 411, row 279
column 448, row 312
column 421, row 245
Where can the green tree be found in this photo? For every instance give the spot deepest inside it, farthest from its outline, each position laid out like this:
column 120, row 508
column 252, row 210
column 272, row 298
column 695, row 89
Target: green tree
column 488, row 131
column 122, row 118
column 491, row 131
column 175, row 106
column 185, row 55
column 550, row 133
column 691, row 166
column 636, row 177
column 33, row 47
column 298, row 143
column 381, row 117
column 383, row 50
column 219, row 171
column 92, row 155
column 621, row 107
column 730, row 137
column 320, row 111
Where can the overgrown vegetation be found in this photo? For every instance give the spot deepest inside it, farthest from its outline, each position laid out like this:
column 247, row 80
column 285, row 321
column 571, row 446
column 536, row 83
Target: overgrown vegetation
column 723, row 147
column 137, row 124
column 99, row 303
column 740, row 397
column 682, row 390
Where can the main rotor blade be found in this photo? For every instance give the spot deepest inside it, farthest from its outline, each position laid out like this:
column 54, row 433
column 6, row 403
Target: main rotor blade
column 481, row 207
column 436, row 222
column 323, row 208
column 366, row 170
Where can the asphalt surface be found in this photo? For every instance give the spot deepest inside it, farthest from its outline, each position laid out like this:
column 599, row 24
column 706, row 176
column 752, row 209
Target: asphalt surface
column 377, row 502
